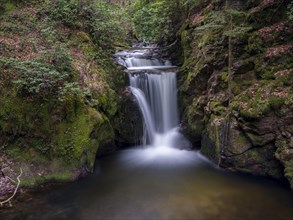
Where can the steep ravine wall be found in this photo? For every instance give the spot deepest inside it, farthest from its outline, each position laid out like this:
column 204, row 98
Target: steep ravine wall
column 252, row 131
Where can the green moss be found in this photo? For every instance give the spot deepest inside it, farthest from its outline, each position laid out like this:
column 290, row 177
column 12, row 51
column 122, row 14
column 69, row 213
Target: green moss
column 59, row 134
column 204, row 40
column 7, row 6
column 224, row 76
column 217, row 108
column 236, row 88
column 255, row 45
column 194, row 121
column 108, row 102
column 84, row 37
column 73, row 136
column 63, row 132
column 257, row 102
column 194, row 72
column 52, row 177
column 185, row 44
column 211, row 143
column 18, row 116
column 289, row 174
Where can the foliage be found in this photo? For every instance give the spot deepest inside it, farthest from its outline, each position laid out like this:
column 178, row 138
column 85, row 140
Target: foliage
column 99, row 18
column 102, row 22
column 213, row 21
column 35, row 78
column 41, row 79
column 62, row 11
column 290, row 11
column 154, row 20
column 58, row 57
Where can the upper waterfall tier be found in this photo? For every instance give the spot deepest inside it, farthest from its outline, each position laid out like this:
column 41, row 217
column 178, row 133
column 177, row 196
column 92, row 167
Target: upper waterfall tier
column 143, row 59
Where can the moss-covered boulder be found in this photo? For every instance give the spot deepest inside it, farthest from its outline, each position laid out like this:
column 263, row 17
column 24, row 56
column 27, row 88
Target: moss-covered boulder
column 61, row 138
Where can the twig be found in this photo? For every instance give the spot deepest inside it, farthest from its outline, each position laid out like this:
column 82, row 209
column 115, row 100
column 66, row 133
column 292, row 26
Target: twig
column 18, row 183
column 12, row 180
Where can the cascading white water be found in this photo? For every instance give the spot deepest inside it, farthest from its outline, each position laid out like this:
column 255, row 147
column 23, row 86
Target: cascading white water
column 160, row 94
column 139, row 62
column 149, row 129
column 156, row 94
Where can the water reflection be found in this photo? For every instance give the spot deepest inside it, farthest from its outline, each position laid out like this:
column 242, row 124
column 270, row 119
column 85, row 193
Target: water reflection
column 144, row 184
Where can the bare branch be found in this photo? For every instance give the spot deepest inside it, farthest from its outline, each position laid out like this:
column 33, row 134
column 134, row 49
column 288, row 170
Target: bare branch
column 12, row 180
column 16, row 188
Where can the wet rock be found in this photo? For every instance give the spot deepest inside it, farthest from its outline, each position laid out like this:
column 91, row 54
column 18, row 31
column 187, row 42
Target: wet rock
column 284, row 153
column 258, row 161
column 261, row 140
column 128, row 123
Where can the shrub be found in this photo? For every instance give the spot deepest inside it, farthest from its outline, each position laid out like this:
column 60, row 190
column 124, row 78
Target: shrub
column 102, row 22
column 58, row 57
column 290, row 11
column 35, row 78
column 62, row 11
column 153, row 20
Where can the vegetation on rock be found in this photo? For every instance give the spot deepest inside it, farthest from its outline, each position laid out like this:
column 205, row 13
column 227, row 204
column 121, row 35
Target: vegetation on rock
column 59, row 86
column 239, row 117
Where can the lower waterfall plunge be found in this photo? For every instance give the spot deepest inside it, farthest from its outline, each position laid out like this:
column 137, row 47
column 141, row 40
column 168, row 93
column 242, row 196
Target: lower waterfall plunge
column 157, row 98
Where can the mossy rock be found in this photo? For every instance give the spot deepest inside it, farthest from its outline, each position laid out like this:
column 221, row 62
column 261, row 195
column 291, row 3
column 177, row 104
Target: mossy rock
column 266, row 14
column 257, row 161
column 73, row 139
column 284, row 153
column 209, row 149
column 289, row 174
column 70, row 132
column 211, row 144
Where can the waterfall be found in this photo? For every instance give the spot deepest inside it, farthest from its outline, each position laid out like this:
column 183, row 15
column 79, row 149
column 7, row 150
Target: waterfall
column 154, row 85
column 160, row 94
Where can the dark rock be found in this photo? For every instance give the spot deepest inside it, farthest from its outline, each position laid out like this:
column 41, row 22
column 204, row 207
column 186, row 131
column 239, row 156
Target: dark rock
column 261, row 140
column 258, row 161
column 128, row 122
column 106, row 148
column 209, row 149
column 242, row 67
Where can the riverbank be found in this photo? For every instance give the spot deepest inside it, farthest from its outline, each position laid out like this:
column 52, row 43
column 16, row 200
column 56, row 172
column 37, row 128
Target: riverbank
column 60, row 90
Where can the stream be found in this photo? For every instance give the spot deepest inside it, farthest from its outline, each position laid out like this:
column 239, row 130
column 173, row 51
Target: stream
column 161, row 178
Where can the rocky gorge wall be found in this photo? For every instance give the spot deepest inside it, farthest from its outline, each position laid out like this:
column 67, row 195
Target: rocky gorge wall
column 250, row 129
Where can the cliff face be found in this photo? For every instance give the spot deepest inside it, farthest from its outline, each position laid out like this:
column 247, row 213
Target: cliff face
column 243, row 120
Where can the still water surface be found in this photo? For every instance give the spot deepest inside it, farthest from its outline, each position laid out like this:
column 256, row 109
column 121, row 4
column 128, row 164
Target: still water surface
column 158, row 184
